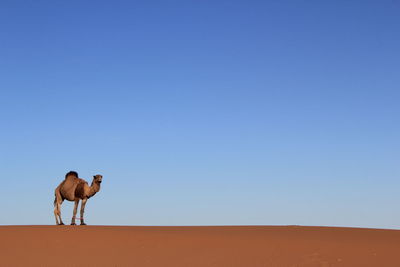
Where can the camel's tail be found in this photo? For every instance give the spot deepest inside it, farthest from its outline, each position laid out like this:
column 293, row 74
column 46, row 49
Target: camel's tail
column 55, row 200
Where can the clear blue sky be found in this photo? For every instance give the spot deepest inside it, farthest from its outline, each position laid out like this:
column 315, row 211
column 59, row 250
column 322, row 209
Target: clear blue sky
column 202, row 112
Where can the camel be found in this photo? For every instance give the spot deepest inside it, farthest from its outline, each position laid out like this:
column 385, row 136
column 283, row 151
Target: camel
column 75, row 189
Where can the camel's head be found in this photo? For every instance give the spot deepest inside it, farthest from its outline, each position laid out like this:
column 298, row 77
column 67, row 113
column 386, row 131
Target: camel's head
column 97, row 178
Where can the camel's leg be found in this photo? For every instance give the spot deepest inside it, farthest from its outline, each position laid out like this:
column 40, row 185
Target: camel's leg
column 57, row 212
column 75, row 210
column 57, row 208
column 83, row 204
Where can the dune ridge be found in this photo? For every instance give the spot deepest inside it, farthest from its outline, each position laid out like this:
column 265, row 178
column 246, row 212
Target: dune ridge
column 198, row 246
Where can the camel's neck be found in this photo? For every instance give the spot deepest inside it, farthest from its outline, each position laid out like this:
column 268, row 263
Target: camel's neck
column 94, row 188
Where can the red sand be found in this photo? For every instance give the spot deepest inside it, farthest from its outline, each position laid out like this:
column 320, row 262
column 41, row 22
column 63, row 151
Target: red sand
column 248, row 246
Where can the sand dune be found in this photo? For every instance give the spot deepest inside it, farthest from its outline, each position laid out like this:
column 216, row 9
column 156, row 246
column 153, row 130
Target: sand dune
column 197, row 246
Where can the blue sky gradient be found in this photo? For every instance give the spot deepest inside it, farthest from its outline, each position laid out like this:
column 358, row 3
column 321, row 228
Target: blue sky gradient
column 202, row 112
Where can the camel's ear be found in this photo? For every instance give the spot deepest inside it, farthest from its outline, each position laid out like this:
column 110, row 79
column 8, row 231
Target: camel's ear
column 94, row 176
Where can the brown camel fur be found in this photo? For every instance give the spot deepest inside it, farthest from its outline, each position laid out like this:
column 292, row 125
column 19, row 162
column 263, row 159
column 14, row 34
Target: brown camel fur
column 75, row 189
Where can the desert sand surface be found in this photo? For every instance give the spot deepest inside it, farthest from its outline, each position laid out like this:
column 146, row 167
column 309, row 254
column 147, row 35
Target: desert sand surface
column 197, row 246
